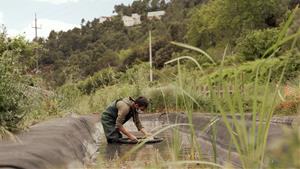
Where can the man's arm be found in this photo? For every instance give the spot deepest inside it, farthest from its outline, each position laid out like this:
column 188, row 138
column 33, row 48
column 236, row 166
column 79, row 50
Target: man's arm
column 139, row 125
column 127, row 133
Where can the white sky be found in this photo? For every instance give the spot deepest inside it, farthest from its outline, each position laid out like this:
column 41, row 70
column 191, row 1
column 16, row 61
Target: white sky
column 1, row 17
column 57, row 2
column 18, row 15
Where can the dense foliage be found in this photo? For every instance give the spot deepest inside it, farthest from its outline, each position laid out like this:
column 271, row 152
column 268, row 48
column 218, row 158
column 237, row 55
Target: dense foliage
column 255, row 43
column 226, row 20
column 13, row 82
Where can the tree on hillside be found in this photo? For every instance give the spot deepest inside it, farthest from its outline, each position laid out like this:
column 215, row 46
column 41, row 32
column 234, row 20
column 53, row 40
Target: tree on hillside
column 140, row 7
column 226, row 20
column 123, row 10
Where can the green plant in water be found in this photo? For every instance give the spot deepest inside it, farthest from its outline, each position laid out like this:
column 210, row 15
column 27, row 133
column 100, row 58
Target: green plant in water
column 250, row 140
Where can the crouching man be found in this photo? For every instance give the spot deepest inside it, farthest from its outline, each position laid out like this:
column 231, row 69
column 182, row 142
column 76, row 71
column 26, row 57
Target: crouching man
column 118, row 113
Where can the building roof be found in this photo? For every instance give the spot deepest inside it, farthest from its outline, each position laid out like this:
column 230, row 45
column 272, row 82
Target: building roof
column 156, row 13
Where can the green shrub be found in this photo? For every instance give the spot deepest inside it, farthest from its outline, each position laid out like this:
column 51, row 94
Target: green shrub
column 100, row 79
column 68, row 96
column 138, row 74
column 255, row 43
column 248, row 69
column 226, row 20
column 12, row 97
column 161, row 98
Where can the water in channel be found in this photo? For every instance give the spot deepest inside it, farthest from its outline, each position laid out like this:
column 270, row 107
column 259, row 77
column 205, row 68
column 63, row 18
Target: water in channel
column 148, row 156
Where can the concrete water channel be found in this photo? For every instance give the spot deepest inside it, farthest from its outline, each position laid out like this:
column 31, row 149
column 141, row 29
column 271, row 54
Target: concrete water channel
column 177, row 144
column 79, row 142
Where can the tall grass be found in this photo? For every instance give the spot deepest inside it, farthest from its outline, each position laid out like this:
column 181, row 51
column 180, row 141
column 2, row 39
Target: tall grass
column 249, row 140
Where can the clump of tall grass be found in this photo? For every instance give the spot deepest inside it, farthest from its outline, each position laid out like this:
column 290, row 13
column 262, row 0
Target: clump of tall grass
column 249, row 139
column 169, row 98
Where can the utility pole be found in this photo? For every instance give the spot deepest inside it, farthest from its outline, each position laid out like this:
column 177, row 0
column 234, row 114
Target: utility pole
column 150, row 56
column 35, row 26
column 35, row 39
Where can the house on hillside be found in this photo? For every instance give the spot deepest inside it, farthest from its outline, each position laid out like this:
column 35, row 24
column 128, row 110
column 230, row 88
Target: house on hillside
column 104, row 18
column 134, row 19
column 155, row 14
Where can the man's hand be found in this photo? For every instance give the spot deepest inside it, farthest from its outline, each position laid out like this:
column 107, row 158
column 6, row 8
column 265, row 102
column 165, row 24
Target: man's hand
column 133, row 138
column 148, row 135
column 127, row 133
